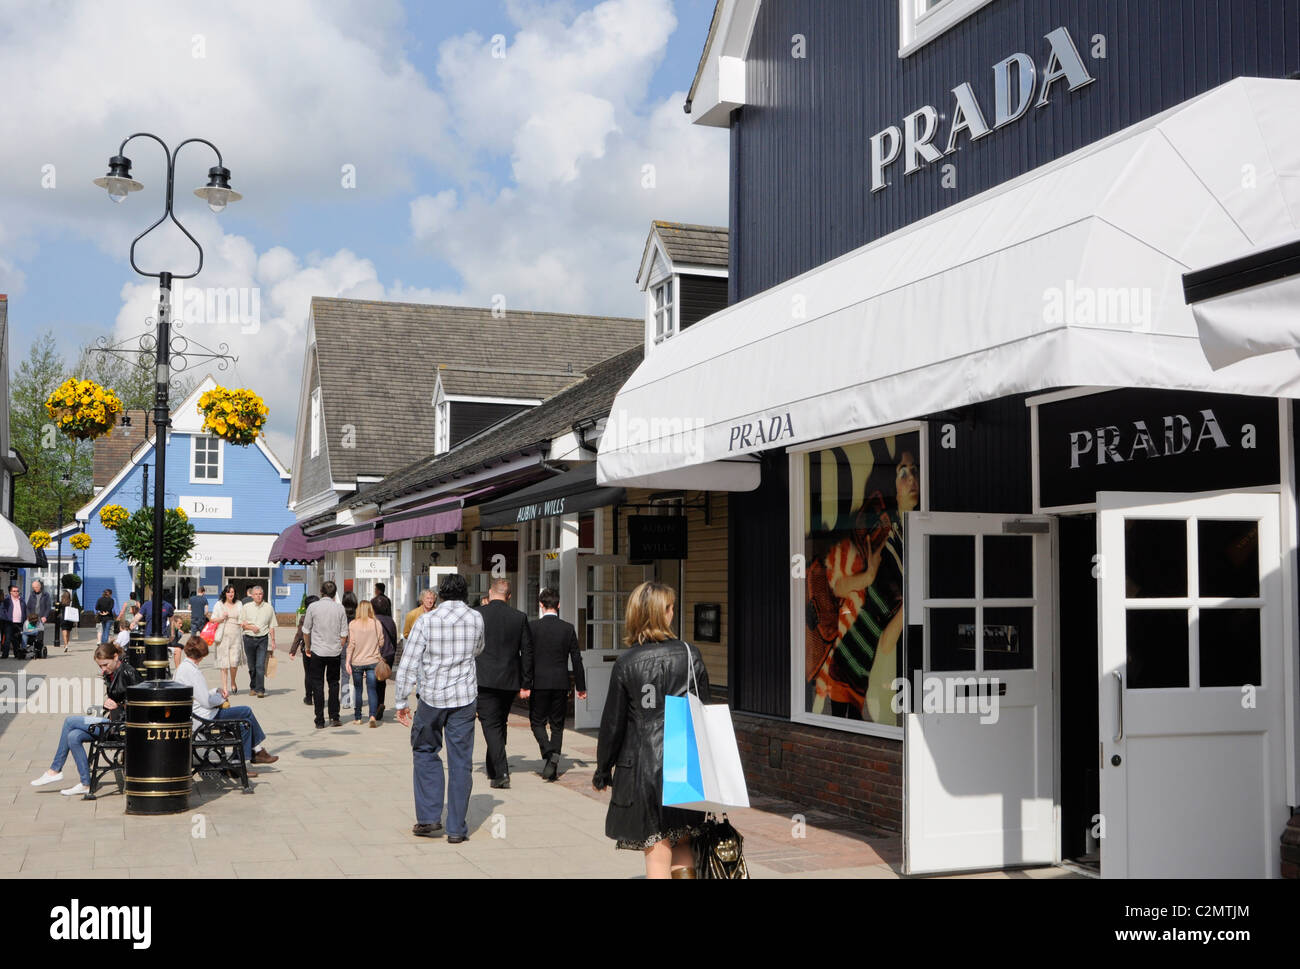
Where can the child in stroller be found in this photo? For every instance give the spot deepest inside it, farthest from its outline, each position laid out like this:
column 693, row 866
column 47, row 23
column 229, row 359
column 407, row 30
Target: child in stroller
column 33, row 637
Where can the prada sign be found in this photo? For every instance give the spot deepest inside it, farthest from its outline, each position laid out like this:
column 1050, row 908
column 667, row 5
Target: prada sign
column 1156, row 441
column 1015, row 82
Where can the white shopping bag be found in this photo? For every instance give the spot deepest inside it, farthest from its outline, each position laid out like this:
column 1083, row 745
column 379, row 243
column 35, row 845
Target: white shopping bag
column 71, row 614
column 712, row 739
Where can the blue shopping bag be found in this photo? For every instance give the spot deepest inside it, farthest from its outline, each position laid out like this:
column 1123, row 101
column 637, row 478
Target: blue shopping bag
column 683, row 779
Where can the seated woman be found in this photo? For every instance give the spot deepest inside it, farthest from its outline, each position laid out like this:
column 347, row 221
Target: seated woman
column 118, row 675
column 208, row 703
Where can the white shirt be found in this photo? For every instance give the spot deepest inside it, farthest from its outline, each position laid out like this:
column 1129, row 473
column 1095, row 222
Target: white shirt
column 123, row 639
column 206, row 702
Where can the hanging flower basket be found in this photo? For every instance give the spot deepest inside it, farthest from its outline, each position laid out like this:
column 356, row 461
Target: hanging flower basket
column 112, row 516
column 39, row 538
column 83, row 409
column 80, row 541
column 237, row 416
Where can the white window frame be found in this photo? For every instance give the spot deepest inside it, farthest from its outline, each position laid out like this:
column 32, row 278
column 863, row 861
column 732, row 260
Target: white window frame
column 442, row 426
column 917, row 26
column 668, row 312
column 795, row 455
column 315, row 422
column 221, row 459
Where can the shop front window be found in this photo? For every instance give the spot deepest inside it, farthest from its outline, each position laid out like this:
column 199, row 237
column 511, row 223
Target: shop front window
column 852, row 501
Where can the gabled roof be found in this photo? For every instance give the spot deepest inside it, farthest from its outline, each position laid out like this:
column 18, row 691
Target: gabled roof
column 687, row 245
column 496, row 382
column 534, row 428
column 378, row 363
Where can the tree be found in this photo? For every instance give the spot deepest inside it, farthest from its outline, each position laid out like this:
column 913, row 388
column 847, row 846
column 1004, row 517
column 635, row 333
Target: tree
column 57, row 465
column 135, row 542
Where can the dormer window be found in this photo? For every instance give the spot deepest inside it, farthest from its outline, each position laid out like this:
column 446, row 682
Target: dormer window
column 442, row 425
column 664, row 323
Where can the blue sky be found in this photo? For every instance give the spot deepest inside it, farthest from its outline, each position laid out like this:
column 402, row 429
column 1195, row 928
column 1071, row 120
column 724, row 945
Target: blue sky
column 475, row 175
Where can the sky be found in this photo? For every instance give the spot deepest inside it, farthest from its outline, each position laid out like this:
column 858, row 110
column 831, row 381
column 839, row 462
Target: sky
column 433, row 152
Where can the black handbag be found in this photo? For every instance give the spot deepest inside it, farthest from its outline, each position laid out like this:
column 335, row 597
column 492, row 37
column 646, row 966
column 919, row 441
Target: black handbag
column 719, row 850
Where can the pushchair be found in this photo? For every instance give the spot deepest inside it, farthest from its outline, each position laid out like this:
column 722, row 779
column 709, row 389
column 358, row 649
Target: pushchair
column 33, row 642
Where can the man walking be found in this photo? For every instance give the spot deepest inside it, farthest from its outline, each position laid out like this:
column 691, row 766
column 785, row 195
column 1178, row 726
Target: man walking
column 505, row 631
column 146, row 613
column 324, row 631
column 438, row 664
column 198, row 612
column 15, row 614
column 257, row 619
column 39, row 605
column 424, row 605
column 104, row 610
column 552, row 644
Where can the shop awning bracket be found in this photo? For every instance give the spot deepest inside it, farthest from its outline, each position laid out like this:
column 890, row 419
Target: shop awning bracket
column 677, row 497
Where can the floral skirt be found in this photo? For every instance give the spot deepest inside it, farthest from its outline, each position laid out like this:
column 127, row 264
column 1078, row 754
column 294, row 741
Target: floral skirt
column 672, row 836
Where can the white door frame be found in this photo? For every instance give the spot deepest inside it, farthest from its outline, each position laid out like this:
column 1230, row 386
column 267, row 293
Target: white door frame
column 932, row 843
column 1161, row 714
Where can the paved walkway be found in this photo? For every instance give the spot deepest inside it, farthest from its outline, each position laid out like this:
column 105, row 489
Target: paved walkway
column 339, row 804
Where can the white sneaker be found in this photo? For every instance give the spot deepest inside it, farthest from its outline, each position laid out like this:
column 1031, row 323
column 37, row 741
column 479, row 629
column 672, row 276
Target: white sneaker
column 73, row 791
column 47, row 779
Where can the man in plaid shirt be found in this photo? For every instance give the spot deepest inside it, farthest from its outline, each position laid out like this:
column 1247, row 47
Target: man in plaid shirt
column 438, row 663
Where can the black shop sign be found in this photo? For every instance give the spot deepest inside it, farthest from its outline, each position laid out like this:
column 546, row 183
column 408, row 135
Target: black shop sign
column 1154, row 441
column 651, row 537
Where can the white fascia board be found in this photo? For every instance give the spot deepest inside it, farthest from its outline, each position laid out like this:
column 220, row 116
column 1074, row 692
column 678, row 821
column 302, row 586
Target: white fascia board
column 313, row 506
column 686, row 270
column 471, row 399
column 722, row 84
column 643, row 280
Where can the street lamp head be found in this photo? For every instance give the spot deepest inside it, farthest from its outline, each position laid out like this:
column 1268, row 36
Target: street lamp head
column 118, row 181
column 218, row 191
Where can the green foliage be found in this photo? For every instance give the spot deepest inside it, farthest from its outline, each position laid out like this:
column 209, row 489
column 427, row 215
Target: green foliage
column 71, row 581
column 135, row 541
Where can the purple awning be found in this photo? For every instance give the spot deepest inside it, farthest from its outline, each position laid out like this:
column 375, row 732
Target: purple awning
column 292, row 546
column 415, row 524
column 362, row 536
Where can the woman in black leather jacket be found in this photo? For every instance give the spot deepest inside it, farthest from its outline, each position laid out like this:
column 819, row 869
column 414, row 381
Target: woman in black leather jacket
column 631, row 742
column 77, row 731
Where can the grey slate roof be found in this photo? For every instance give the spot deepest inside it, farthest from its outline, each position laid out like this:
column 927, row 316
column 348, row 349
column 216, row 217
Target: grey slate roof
column 592, row 396
column 378, row 363
column 693, row 245
column 482, row 382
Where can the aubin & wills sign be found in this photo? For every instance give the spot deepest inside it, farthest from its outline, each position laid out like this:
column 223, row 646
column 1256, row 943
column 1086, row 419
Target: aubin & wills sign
column 1154, row 441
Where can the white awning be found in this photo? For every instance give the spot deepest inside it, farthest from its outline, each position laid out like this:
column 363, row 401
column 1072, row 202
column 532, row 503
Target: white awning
column 1248, row 306
column 219, row 548
column 1070, row 275
column 15, row 548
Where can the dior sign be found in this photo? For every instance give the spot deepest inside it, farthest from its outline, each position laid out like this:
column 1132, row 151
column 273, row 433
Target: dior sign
column 204, row 507
column 1015, row 81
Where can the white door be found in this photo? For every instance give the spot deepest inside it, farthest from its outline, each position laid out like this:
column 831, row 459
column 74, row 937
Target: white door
column 1192, row 699
column 604, row 582
column 979, row 741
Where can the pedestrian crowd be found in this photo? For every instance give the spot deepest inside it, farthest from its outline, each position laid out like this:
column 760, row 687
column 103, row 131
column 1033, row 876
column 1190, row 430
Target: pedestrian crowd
column 462, row 663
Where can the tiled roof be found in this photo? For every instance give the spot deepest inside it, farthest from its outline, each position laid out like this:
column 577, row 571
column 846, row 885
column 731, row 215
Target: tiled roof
column 484, row 382
column 592, row 396
column 378, row 362
column 694, row 245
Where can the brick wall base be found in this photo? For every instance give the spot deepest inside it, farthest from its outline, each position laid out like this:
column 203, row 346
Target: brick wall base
column 829, row 770
column 1291, row 848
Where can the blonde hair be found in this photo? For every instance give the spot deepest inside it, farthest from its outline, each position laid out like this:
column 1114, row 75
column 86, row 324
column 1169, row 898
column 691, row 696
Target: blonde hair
column 365, row 610
column 647, row 614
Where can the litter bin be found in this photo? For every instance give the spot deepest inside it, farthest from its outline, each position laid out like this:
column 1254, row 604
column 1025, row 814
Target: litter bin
column 135, row 652
column 157, row 658
column 158, row 738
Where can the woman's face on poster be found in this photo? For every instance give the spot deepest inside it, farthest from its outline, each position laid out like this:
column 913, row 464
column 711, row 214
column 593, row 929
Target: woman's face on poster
column 907, row 483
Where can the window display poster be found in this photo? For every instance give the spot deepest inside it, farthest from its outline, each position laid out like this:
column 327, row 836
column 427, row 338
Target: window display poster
column 857, row 495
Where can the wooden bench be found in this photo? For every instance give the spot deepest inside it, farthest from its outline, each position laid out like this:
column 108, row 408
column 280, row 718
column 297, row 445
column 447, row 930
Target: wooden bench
column 217, row 752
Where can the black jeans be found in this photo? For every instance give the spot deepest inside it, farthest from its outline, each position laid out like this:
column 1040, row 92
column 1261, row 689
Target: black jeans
column 548, row 707
column 306, row 676
column 12, row 638
column 325, row 670
column 493, row 708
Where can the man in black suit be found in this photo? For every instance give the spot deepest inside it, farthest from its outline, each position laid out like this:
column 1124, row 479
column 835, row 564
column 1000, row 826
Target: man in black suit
column 506, row 636
column 546, row 678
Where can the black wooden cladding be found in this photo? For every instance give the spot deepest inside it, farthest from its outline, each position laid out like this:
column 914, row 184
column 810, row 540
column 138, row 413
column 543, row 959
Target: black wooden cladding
column 758, row 583
column 469, row 417
column 980, row 459
column 700, row 296
column 800, row 149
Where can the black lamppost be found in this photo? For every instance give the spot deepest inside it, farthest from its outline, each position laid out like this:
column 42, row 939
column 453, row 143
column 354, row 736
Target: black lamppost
column 218, row 193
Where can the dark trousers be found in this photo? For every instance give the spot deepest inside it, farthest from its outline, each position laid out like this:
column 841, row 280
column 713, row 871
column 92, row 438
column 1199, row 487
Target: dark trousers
column 255, row 650
column 306, row 677
column 493, row 708
column 13, row 638
column 427, row 732
column 547, row 707
column 325, row 670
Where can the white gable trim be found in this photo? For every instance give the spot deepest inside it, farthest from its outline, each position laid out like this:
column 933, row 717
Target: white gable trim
column 643, row 280
column 721, row 87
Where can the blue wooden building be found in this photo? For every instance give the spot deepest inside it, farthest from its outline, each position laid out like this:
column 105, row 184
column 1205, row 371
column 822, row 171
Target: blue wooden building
column 236, row 498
